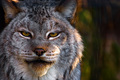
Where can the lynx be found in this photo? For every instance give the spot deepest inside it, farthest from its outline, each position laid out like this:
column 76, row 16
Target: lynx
column 39, row 43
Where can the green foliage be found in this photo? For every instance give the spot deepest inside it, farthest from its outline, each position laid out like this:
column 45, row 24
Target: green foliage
column 85, row 17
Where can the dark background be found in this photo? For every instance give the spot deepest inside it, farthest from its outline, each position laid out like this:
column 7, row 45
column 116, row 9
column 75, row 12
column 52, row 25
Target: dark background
column 98, row 22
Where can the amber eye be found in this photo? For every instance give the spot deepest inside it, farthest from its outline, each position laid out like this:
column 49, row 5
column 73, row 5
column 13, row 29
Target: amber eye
column 26, row 34
column 54, row 34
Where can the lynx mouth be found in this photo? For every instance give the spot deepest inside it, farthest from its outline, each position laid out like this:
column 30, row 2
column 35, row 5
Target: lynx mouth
column 38, row 62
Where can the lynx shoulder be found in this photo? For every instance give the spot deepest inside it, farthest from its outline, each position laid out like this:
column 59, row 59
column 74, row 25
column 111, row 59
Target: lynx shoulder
column 39, row 43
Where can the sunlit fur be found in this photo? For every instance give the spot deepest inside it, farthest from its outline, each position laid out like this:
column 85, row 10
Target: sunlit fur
column 61, row 61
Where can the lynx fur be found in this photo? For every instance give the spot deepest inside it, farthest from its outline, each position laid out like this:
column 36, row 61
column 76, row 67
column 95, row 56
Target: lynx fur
column 39, row 43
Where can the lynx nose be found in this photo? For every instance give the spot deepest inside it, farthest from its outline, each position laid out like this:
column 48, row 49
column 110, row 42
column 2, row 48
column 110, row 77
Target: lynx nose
column 39, row 51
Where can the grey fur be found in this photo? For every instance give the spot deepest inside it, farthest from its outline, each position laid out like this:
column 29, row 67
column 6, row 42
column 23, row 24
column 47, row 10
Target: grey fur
column 40, row 21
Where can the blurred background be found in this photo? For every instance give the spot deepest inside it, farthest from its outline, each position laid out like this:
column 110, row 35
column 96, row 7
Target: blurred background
column 98, row 22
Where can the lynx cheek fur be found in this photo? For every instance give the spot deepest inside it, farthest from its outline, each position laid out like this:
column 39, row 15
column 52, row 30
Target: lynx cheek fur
column 39, row 42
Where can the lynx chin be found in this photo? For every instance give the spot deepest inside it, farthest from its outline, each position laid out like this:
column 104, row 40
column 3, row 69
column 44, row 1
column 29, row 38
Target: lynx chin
column 39, row 43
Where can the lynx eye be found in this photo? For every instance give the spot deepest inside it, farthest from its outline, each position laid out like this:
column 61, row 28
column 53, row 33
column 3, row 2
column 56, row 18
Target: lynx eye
column 53, row 34
column 25, row 34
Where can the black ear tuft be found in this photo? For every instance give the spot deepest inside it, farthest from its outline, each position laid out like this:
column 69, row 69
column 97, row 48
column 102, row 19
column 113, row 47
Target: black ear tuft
column 2, row 21
column 67, row 8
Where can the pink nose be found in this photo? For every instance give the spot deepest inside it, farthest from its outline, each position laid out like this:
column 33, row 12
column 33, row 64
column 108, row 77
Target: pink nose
column 39, row 51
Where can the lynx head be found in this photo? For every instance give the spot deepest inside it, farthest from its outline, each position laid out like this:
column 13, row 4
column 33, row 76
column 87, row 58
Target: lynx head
column 40, row 36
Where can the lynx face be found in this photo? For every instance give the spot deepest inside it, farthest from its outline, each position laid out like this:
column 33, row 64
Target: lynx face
column 40, row 42
column 39, row 46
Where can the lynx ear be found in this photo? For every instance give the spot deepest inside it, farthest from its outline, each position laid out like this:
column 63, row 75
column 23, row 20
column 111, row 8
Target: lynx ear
column 10, row 9
column 67, row 8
